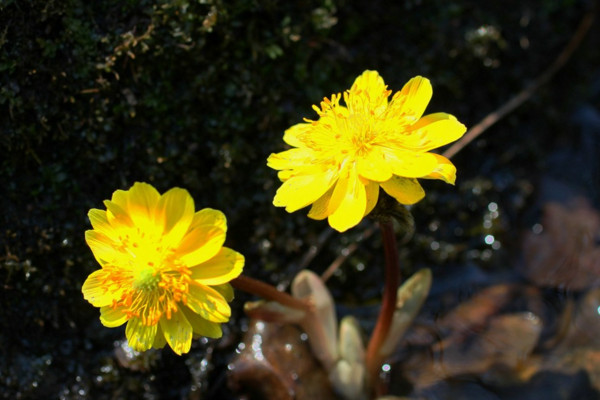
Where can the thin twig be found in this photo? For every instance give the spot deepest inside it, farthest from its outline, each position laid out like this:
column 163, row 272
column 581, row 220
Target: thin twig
column 315, row 248
column 525, row 94
column 345, row 253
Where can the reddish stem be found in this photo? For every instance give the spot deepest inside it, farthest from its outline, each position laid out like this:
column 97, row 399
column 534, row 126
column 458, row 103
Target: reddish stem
column 388, row 305
column 268, row 292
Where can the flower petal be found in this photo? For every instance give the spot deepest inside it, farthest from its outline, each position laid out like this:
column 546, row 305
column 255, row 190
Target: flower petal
column 445, row 170
column 208, row 303
column 95, row 289
column 177, row 331
column 104, row 249
column 300, row 191
column 321, row 207
column 404, row 190
column 201, row 326
column 226, row 290
column 159, row 339
column 119, row 197
column 209, row 217
column 293, row 135
column 175, row 212
column 372, row 192
column 374, row 166
column 222, row 268
column 139, row 336
column 409, row 164
column 290, row 159
column 433, row 131
column 200, row 245
column 116, row 215
column 353, row 204
column 368, row 94
column 100, row 223
column 111, row 317
column 142, row 200
column 412, row 100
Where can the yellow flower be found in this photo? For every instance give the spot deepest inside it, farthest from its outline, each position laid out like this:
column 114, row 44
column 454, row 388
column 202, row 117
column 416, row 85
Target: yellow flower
column 339, row 161
column 164, row 268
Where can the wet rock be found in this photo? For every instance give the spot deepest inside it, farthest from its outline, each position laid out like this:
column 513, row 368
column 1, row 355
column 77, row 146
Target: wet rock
column 274, row 362
column 135, row 360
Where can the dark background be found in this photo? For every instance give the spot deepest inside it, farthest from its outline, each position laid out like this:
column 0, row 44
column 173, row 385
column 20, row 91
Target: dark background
column 95, row 95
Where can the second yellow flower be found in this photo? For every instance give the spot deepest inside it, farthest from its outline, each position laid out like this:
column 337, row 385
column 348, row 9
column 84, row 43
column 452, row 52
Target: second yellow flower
column 339, row 162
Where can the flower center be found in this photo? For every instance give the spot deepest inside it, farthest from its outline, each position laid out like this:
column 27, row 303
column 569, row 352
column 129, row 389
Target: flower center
column 147, row 278
column 362, row 140
column 155, row 283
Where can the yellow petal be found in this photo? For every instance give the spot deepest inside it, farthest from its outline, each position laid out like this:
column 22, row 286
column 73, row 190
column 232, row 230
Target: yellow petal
column 95, row 289
column 372, row 191
column 353, row 202
column 116, row 215
column 404, row 190
column 139, row 336
column 290, row 159
column 111, row 317
column 209, row 217
column 200, row 245
column 221, row 268
column 409, row 164
column 374, row 166
column 100, row 224
column 208, row 303
column 159, row 339
column 320, row 208
column 445, row 170
column 119, row 197
column 201, row 326
column 412, row 100
column 226, row 290
column 142, row 200
column 104, row 249
column 293, row 135
column 300, row 191
column 175, row 212
column 285, row 175
column 368, row 94
column 177, row 331
column 433, row 131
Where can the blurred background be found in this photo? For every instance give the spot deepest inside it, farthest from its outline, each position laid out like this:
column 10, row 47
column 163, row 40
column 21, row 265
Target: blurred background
column 95, row 96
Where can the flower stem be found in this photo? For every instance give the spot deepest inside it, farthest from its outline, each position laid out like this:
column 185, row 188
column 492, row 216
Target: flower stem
column 268, row 292
column 388, row 305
